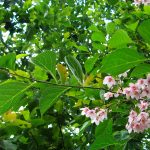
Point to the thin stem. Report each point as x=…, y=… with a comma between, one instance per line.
x=55, y=84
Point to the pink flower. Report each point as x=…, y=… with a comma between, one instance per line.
x=108, y=95
x=109, y=81
x=148, y=79
x=100, y=116
x=84, y=110
x=138, y=123
x=141, y=83
x=143, y=105
x=145, y=92
x=91, y=113
x=127, y=92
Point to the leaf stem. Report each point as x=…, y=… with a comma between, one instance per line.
x=55, y=84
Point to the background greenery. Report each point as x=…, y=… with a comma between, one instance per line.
x=53, y=62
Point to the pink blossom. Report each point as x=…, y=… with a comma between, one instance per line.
x=141, y=83
x=91, y=113
x=145, y=92
x=138, y=123
x=148, y=79
x=138, y=2
x=143, y=105
x=127, y=92
x=84, y=110
x=96, y=115
x=101, y=115
x=109, y=81
x=108, y=95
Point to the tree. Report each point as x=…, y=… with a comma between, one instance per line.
x=66, y=69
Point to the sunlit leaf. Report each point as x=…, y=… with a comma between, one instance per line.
x=121, y=60
x=62, y=72
x=119, y=39
x=144, y=31
x=8, y=61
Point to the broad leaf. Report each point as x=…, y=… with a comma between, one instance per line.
x=119, y=39
x=98, y=36
x=49, y=95
x=103, y=136
x=10, y=94
x=140, y=70
x=89, y=64
x=144, y=30
x=121, y=60
x=75, y=67
x=8, y=61
x=110, y=28
x=47, y=61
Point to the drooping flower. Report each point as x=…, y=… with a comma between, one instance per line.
x=109, y=81
x=108, y=95
x=96, y=115
x=143, y=105
x=138, y=122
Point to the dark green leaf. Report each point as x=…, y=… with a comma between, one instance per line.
x=8, y=61
x=49, y=96
x=10, y=92
x=103, y=136
x=75, y=67
x=141, y=70
x=144, y=30
x=47, y=61
x=121, y=60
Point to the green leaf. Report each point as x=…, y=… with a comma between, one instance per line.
x=144, y=30
x=8, y=61
x=110, y=28
x=103, y=136
x=121, y=135
x=121, y=60
x=119, y=39
x=21, y=56
x=84, y=126
x=10, y=92
x=98, y=36
x=89, y=64
x=47, y=61
x=49, y=96
x=83, y=48
x=93, y=28
x=39, y=74
x=132, y=26
x=75, y=67
x=141, y=70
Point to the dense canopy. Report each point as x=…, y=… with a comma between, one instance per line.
x=74, y=74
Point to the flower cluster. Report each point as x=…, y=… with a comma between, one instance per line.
x=138, y=2
x=96, y=115
x=139, y=122
x=139, y=90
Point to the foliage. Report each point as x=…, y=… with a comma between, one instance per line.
x=54, y=55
